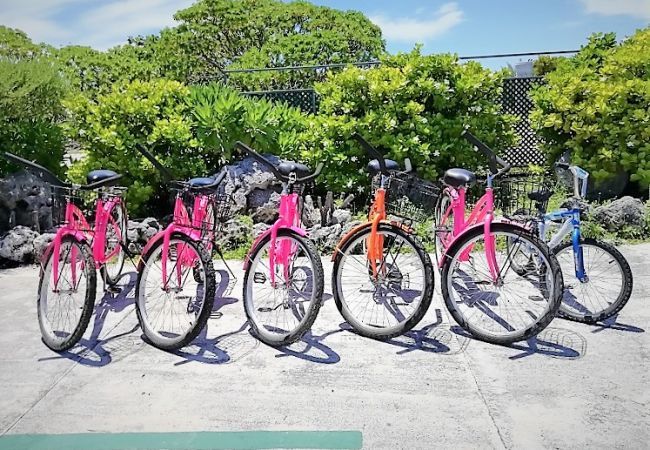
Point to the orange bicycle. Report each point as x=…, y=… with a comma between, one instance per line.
x=382, y=279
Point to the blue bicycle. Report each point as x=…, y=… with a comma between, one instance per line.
x=597, y=277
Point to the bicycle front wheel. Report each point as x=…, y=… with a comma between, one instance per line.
x=65, y=304
x=513, y=306
x=391, y=298
x=282, y=302
x=606, y=289
x=173, y=309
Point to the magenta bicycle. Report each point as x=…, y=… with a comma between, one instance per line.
x=283, y=281
x=68, y=279
x=487, y=292
x=176, y=279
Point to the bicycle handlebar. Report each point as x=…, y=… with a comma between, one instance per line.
x=241, y=146
x=166, y=174
x=493, y=159
x=36, y=169
x=580, y=178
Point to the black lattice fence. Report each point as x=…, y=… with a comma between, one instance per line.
x=515, y=100
x=305, y=99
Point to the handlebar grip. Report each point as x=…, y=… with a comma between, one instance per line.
x=38, y=170
x=562, y=165
x=240, y=145
x=372, y=151
x=166, y=174
x=407, y=165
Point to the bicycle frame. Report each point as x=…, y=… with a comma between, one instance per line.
x=77, y=226
x=571, y=225
x=289, y=218
x=191, y=227
x=482, y=213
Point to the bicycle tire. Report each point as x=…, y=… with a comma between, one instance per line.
x=108, y=279
x=621, y=300
x=441, y=207
x=314, y=306
x=425, y=302
x=553, y=302
x=89, y=298
x=209, y=291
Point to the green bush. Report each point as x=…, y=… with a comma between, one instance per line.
x=153, y=114
x=190, y=130
x=411, y=106
x=596, y=105
x=30, y=112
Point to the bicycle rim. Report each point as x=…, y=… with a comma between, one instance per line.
x=64, y=307
x=281, y=308
x=383, y=304
x=602, y=290
x=169, y=314
x=517, y=306
x=116, y=230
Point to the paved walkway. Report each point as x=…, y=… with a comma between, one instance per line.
x=575, y=387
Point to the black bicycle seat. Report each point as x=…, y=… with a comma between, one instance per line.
x=288, y=167
x=101, y=178
x=200, y=182
x=374, y=167
x=459, y=177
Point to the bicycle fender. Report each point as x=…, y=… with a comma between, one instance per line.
x=259, y=239
x=79, y=235
x=155, y=238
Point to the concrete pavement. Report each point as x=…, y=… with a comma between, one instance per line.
x=576, y=386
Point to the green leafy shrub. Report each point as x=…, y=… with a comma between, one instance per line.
x=31, y=91
x=411, y=106
x=223, y=116
x=153, y=114
x=190, y=130
x=597, y=105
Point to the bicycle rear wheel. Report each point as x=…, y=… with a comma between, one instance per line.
x=444, y=226
x=608, y=285
x=171, y=315
x=393, y=301
x=116, y=231
x=518, y=305
x=282, y=309
x=65, y=307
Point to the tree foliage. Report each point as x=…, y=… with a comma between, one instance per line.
x=597, y=106
x=31, y=90
x=413, y=106
x=217, y=34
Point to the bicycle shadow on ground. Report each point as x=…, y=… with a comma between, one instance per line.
x=436, y=337
x=225, y=348
x=96, y=352
x=613, y=324
x=552, y=342
x=311, y=348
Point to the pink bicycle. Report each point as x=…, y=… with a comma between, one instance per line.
x=68, y=279
x=176, y=279
x=283, y=281
x=487, y=293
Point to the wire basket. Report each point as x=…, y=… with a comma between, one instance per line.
x=61, y=196
x=409, y=197
x=219, y=209
x=523, y=194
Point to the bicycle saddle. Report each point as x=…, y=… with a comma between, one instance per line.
x=200, y=182
x=100, y=178
x=459, y=177
x=288, y=167
x=374, y=168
